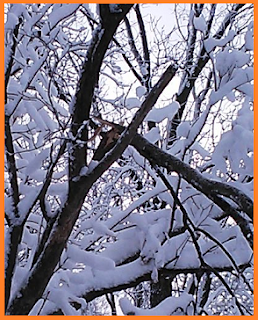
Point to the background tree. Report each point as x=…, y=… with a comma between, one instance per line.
x=128, y=159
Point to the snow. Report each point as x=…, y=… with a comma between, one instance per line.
x=101, y=229
x=183, y=129
x=200, y=23
x=150, y=247
x=26, y=203
x=114, y=8
x=153, y=135
x=13, y=16
x=37, y=161
x=249, y=40
x=128, y=243
x=159, y=114
x=140, y=91
x=227, y=60
x=106, y=237
x=131, y=103
x=167, y=307
x=61, y=12
x=90, y=259
x=63, y=298
x=240, y=77
x=211, y=43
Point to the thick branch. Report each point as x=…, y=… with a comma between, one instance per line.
x=15, y=230
x=68, y=215
x=192, y=176
x=129, y=133
x=102, y=36
x=49, y=257
x=146, y=276
x=11, y=165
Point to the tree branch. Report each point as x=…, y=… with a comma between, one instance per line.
x=102, y=36
x=192, y=176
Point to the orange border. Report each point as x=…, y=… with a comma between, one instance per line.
x=2, y=142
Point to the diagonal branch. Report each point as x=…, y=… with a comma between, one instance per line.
x=43, y=269
x=102, y=36
x=208, y=187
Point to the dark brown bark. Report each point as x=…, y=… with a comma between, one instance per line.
x=162, y=289
x=103, y=34
x=43, y=270
x=214, y=190
x=66, y=218
x=208, y=187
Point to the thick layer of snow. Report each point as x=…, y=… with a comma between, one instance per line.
x=167, y=307
x=159, y=114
